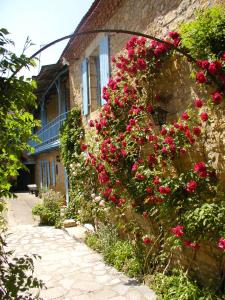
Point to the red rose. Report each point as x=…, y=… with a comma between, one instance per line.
x=128, y=128
x=204, y=64
x=200, y=168
x=185, y=116
x=141, y=64
x=107, y=192
x=91, y=123
x=204, y=116
x=148, y=190
x=151, y=159
x=164, y=150
x=131, y=53
x=134, y=167
x=198, y=103
x=83, y=147
x=197, y=131
x=190, y=244
x=156, y=180
x=212, y=68
x=140, y=176
x=103, y=177
x=163, y=131
x=217, y=97
x=221, y=243
x=132, y=122
x=200, y=77
x=123, y=152
x=178, y=231
x=168, y=140
x=146, y=240
x=191, y=186
x=150, y=109
x=164, y=190
x=173, y=35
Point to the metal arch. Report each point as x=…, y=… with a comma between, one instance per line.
x=182, y=51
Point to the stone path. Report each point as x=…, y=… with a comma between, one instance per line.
x=70, y=270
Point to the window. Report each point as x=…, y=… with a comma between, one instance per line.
x=95, y=75
x=44, y=173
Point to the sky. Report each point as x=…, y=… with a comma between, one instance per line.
x=43, y=21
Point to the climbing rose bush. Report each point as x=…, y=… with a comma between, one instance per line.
x=137, y=165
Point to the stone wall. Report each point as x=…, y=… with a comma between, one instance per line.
x=179, y=90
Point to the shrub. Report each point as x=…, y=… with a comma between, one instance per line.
x=116, y=252
x=206, y=34
x=178, y=286
x=49, y=211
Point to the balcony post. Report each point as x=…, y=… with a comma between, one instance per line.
x=59, y=93
x=43, y=113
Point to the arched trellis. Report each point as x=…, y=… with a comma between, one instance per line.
x=179, y=50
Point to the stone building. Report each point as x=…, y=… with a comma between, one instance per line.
x=89, y=63
x=53, y=105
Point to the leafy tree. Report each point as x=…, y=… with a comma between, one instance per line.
x=16, y=121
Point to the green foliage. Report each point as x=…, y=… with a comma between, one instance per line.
x=116, y=252
x=178, y=286
x=49, y=211
x=16, y=123
x=82, y=177
x=208, y=219
x=71, y=134
x=205, y=36
x=17, y=275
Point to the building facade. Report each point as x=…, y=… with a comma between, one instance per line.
x=53, y=106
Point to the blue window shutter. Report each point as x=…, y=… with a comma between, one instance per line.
x=48, y=173
x=53, y=173
x=41, y=178
x=84, y=69
x=104, y=63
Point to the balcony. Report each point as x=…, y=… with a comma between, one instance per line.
x=49, y=135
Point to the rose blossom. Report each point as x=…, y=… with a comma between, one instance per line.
x=178, y=230
x=217, y=97
x=221, y=243
x=198, y=103
x=197, y=131
x=91, y=123
x=140, y=176
x=200, y=77
x=191, y=186
x=134, y=167
x=146, y=240
x=102, y=203
x=185, y=116
x=148, y=190
x=204, y=116
x=164, y=190
x=83, y=147
x=200, y=168
x=173, y=35
x=163, y=131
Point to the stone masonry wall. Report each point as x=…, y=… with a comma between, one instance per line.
x=158, y=18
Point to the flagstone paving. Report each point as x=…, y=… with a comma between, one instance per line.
x=70, y=270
